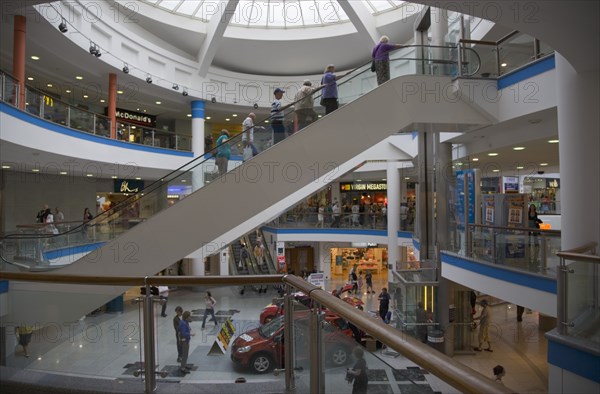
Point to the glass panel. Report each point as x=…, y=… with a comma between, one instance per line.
x=81, y=120
x=582, y=300
x=302, y=365
x=515, y=52
x=55, y=111
x=488, y=61
x=33, y=101
x=102, y=126
x=10, y=90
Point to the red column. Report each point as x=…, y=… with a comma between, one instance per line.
x=19, y=56
x=112, y=104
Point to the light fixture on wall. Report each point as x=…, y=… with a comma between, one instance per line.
x=175, y=86
x=126, y=68
x=185, y=92
x=149, y=79
x=63, y=27
x=213, y=100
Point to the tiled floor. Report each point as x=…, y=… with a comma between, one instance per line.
x=108, y=345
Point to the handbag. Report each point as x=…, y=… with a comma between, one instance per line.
x=247, y=154
x=373, y=68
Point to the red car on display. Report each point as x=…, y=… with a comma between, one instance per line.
x=275, y=309
x=262, y=349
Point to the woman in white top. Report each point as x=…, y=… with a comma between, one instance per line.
x=210, y=303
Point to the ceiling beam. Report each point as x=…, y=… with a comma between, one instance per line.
x=216, y=29
x=363, y=21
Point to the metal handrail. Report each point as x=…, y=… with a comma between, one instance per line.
x=579, y=250
x=523, y=229
x=444, y=367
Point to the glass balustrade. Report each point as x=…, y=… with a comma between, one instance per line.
x=306, y=342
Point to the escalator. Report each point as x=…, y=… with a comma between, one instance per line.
x=261, y=263
x=270, y=182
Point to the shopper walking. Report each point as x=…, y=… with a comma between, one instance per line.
x=369, y=282
x=209, y=303
x=277, y=116
x=360, y=380
x=384, y=304
x=248, y=129
x=381, y=56
x=329, y=97
x=24, y=334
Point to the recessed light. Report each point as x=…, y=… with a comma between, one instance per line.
x=144, y=111
x=34, y=57
x=114, y=177
x=553, y=142
x=138, y=179
x=459, y=164
x=189, y=115
x=227, y=119
x=207, y=118
x=496, y=170
x=89, y=175
x=234, y=115
x=102, y=100
x=49, y=85
x=85, y=96
x=520, y=167
x=183, y=181
x=119, y=92
x=492, y=154
x=266, y=121
x=519, y=148
x=132, y=127
x=407, y=177
x=30, y=78
x=79, y=77
x=158, y=102
x=5, y=167
x=543, y=164
x=63, y=173
x=68, y=91
x=503, y=64
x=35, y=170
x=475, y=159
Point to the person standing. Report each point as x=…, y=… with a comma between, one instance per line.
x=336, y=214
x=381, y=56
x=403, y=216
x=59, y=216
x=24, y=334
x=329, y=97
x=185, y=334
x=87, y=215
x=258, y=254
x=304, y=99
x=176, y=320
x=210, y=303
x=369, y=282
x=320, y=216
x=354, y=280
x=384, y=304
x=163, y=294
x=49, y=220
x=248, y=132
x=421, y=321
x=359, y=371
x=484, y=326
x=277, y=116
x=41, y=216
x=223, y=152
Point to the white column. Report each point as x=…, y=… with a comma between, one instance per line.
x=197, y=266
x=224, y=262
x=393, y=213
x=198, y=142
x=578, y=97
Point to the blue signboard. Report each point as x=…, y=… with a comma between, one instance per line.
x=460, y=200
x=471, y=193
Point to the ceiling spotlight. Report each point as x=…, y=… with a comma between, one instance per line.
x=63, y=27
x=213, y=100
x=149, y=79
x=175, y=86
x=255, y=106
x=185, y=92
x=126, y=68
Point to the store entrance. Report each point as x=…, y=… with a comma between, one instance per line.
x=371, y=259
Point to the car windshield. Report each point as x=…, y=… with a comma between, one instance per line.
x=267, y=330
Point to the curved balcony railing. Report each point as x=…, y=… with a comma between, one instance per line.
x=321, y=335
x=111, y=223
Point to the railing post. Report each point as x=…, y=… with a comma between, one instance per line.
x=494, y=256
x=498, y=68
x=68, y=116
x=288, y=338
x=316, y=356
x=536, y=48
x=153, y=144
x=149, y=362
x=543, y=256
x=561, y=299
x=94, y=124
x=469, y=235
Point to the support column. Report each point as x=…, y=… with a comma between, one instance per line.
x=578, y=98
x=19, y=40
x=425, y=190
x=439, y=30
x=112, y=104
x=393, y=216
x=198, y=143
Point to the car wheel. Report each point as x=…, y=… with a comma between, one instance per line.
x=339, y=356
x=261, y=363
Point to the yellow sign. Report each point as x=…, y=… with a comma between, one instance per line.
x=125, y=188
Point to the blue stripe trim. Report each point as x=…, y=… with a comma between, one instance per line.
x=42, y=123
x=3, y=286
x=574, y=360
x=198, y=109
x=73, y=250
x=519, y=278
x=326, y=231
x=526, y=72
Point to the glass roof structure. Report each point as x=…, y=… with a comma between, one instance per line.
x=273, y=13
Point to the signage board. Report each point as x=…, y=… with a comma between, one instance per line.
x=362, y=186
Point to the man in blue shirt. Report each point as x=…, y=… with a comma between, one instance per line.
x=330, y=93
x=185, y=334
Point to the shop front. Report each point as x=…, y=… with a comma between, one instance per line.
x=364, y=256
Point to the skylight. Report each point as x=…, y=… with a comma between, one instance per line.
x=273, y=13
